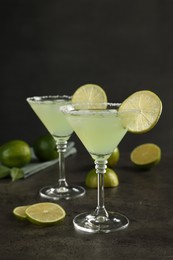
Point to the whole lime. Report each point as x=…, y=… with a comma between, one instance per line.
x=15, y=153
x=110, y=179
x=114, y=158
x=45, y=148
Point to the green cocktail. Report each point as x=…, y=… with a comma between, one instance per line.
x=53, y=119
x=100, y=129
x=47, y=108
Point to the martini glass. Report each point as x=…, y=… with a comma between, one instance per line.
x=47, y=109
x=100, y=129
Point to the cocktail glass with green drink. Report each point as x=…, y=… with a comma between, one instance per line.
x=47, y=109
x=100, y=129
x=101, y=126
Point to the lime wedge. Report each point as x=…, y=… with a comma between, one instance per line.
x=89, y=93
x=45, y=213
x=146, y=107
x=146, y=155
x=19, y=212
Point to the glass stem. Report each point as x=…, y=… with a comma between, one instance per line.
x=61, y=148
x=100, y=211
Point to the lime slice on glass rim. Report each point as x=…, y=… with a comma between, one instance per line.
x=90, y=94
x=147, y=108
x=45, y=213
x=146, y=155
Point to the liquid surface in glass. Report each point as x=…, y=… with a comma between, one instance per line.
x=53, y=119
x=100, y=132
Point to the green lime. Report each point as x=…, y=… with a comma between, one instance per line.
x=15, y=153
x=45, y=148
x=4, y=171
x=45, y=213
x=110, y=179
x=146, y=155
x=114, y=158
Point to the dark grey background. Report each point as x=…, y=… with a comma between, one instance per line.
x=53, y=47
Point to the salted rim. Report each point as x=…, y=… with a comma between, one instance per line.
x=41, y=99
x=73, y=108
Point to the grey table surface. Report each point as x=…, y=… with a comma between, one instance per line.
x=145, y=197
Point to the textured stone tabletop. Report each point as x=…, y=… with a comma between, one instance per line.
x=145, y=197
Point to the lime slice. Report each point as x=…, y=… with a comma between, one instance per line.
x=91, y=94
x=110, y=179
x=45, y=213
x=19, y=212
x=146, y=155
x=146, y=107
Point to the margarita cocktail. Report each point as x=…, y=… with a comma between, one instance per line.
x=100, y=129
x=47, y=108
x=48, y=111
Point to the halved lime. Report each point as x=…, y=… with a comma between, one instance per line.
x=146, y=155
x=45, y=213
x=19, y=212
x=91, y=94
x=146, y=107
x=114, y=158
x=110, y=179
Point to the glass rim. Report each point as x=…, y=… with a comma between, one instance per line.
x=107, y=106
x=48, y=98
x=84, y=106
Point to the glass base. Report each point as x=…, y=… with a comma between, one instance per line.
x=88, y=222
x=62, y=193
